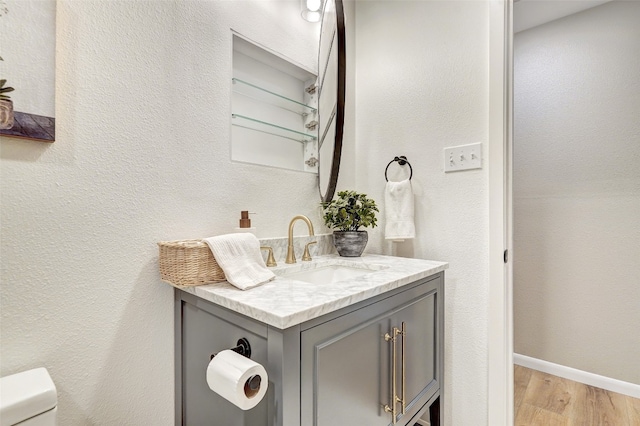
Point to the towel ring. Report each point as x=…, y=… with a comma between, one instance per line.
x=402, y=160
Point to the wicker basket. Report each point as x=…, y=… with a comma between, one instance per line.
x=188, y=263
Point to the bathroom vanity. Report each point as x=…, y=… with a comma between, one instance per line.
x=354, y=341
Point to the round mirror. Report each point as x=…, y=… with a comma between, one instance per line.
x=331, y=94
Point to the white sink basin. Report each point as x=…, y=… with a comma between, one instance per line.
x=327, y=273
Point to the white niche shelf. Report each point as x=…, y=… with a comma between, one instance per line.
x=274, y=110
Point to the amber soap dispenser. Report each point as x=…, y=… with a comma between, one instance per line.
x=245, y=223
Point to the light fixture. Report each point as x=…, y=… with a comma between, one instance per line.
x=311, y=10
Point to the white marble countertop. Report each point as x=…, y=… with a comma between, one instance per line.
x=285, y=302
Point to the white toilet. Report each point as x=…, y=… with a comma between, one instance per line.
x=28, y=399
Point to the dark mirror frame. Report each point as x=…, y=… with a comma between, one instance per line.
x=328, y=193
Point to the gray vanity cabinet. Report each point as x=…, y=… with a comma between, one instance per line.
x=347, y=363
x=334, y=370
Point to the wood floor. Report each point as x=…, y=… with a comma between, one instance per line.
x=545, y=400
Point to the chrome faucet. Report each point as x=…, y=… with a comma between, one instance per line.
x=291, y=256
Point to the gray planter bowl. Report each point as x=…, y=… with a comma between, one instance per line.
x=350, y=243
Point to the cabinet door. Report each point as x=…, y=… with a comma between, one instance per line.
x=342, y=379
x=347, y=364
x=204, y=334
x=418, y=352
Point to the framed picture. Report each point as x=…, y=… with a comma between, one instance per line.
x=27, y=69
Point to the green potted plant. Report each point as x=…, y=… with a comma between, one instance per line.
x=346, y=215
x=6, y=105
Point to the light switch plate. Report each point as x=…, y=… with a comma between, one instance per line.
x=464, y=157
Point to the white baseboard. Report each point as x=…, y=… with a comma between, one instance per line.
x=579, y=376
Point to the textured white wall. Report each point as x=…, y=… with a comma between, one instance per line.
x=577, y=191
x=422, y=85
x=142, y=155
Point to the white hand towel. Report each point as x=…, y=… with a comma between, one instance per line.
x=239, y=257
x=398, y=200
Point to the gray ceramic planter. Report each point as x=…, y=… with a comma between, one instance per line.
x=350, y=243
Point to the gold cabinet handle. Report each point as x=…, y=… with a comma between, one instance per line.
x=392, y=409
x=404, y=376
x=394, y=392
x=395, y=399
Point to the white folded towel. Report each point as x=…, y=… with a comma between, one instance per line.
x=398, y=201
x=239, y=257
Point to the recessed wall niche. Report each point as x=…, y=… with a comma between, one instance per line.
x=274, y=112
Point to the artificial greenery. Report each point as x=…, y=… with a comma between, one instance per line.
x=350, y=211
x=4, y=90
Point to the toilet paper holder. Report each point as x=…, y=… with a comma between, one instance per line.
x=237, y=378
x=242, y=347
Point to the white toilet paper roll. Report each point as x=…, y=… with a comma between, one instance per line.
x=237, y=379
